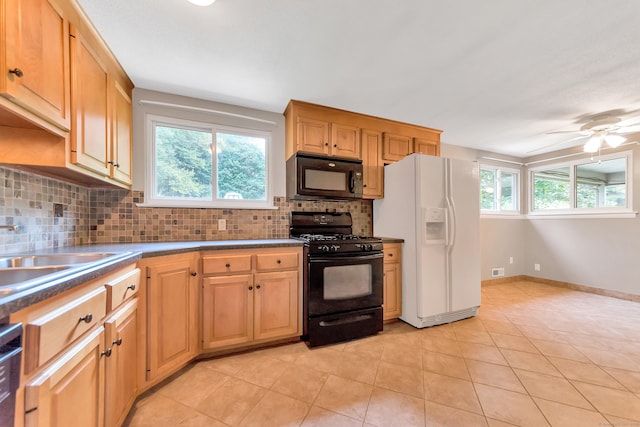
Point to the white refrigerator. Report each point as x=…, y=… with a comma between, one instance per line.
x=433, y=203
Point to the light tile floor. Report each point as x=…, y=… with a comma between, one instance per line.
x=535, y=355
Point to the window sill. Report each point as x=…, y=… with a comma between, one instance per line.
x=207, y=205
x=501, y=215
x=582, y=215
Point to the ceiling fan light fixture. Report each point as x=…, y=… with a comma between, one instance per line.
x=614, y=140
x=202, y=2
x=593, y=145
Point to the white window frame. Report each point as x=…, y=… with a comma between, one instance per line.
x=152, y=200
x=499, y=211
x=601, y=212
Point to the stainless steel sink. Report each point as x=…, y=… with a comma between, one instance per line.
x=10, y=278
x=50, y=260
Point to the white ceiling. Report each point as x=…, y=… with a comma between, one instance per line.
x=495, y=75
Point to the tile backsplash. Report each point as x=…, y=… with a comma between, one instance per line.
x=112, y=216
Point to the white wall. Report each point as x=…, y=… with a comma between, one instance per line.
x=236, y=116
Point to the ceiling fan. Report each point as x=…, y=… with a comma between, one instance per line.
x=602, y=128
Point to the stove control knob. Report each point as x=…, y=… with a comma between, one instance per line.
x=323, y=248
x=369, y=247
x=334, y=248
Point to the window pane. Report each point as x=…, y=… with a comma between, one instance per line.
x=241, y=166
x=488, y=189
x=183, y=163
x=601, y=184
x=551, y=189
x=507, y=191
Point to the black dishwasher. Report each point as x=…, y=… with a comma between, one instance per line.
x=10, y=355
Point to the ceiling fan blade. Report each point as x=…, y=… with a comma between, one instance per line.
x=633, y=127
x=563, y=131
x=557, y=143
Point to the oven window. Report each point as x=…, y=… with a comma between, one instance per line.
x=324, y=180
x=347, y=281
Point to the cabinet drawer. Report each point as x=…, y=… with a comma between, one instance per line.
x=122, y=288
x=226, y=264
x=392, y=253
x=281, y=261
x=46, y=336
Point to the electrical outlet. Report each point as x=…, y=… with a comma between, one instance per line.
x=536, y=267
x=58, y=210
x=222, y=224
x=510, y=260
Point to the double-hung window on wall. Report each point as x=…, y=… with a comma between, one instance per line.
x=195, y=164
x=587, y=186
x=499, y=190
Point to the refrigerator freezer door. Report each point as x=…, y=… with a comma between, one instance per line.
x=465, y=252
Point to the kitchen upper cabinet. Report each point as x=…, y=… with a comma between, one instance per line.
x=318, y=136
x=65, y=108
x=90, y=131
x=372, y=166
x=396, y=147
x=426, y=146
x=392, y=301
x=172, y=313
x=35, y=59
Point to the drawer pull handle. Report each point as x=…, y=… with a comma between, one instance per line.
x=87, y=318
x=17, y=72
x=106, y=353
x=132, y=287
x=227, y=265
x=194, y=274
x=117, y=342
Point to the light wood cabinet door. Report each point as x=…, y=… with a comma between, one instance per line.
x=70, y=392
x=345, y=141
x=392, y=302
x=275, y=304
x=396, y=147
x=34, y=58
x=312, y=135
x=372, y=167
x=121, y=385
x=426, y=146
x=121, y=135
x=172, y=311
x=227, y=310
x=90, y=130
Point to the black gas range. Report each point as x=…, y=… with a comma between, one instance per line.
x=343, y=278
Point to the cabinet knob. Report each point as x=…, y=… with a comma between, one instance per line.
x=194, y=274
x=364, y=185
x=257, y=286
x=227, y=265
x=106, y=353
x=17, y=72
x=390, y=255
x=250, y=288
x=279, y=262
x=326, y=144
x=117, y=342
x=132, y=287
x=335, y=145
x=87, y=318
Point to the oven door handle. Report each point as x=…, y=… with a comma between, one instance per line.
x=358, y=257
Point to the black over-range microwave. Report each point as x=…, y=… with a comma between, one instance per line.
x=312, y=177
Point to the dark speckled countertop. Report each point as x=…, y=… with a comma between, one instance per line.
x=122, y=255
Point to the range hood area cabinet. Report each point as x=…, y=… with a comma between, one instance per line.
x=65, y=104
x=316, y=129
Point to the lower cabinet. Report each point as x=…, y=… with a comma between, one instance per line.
x=392, y=303
x=260, y=303
x=121, y=333
x=70, y=391
x=172, y=313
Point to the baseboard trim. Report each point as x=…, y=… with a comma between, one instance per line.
x=566, y=285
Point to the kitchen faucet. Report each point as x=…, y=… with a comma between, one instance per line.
x=10, y=227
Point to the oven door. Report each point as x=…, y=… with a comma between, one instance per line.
x=344, y=282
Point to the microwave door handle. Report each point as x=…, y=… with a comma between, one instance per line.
x=352, y=182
